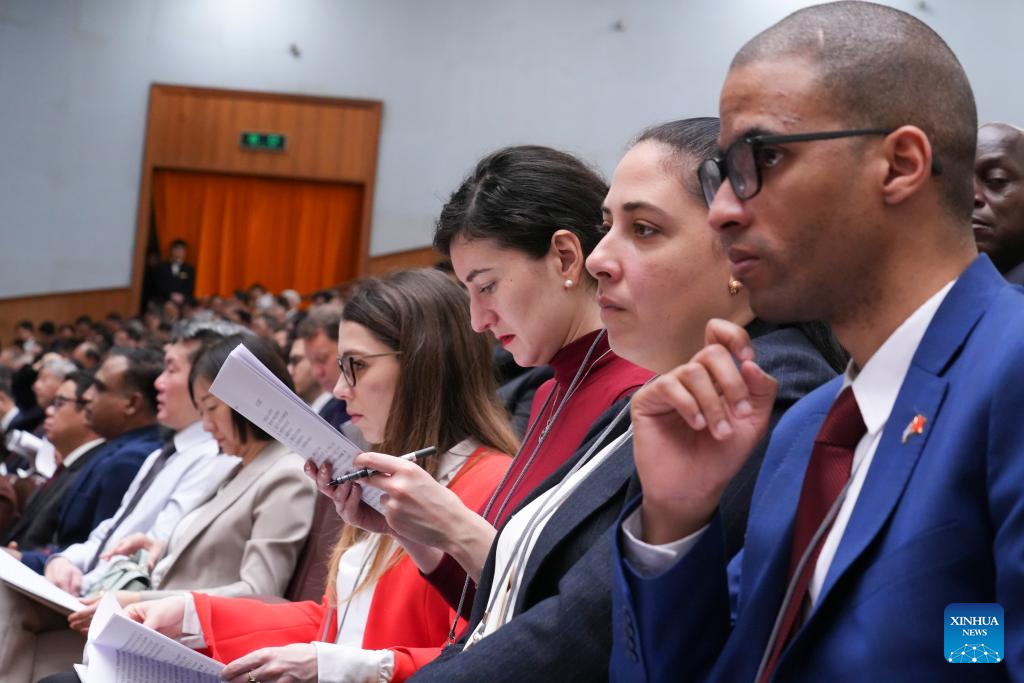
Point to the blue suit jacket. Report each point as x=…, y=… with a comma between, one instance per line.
x=940, y=519
x=334, y=412
x=97, y=491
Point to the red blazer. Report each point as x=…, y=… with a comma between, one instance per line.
x=406, y=614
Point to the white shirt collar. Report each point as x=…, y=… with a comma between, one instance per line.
x=465, y=448
x=191, y=436
x=878, y=383
x=8, y=418
x=74, y=455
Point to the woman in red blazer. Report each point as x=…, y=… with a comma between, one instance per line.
x=400, y=339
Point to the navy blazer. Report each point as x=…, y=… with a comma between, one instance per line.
x=940, y=520
x=97, y=491
x=562, y=627
x=334, y=411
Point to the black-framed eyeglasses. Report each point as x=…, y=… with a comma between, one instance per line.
x=59, y=402
x=348, y=364
x=744, y=159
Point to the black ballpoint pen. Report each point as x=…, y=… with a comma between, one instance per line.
x=367, y=472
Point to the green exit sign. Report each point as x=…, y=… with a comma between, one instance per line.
x=270, y=142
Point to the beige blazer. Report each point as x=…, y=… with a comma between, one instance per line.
x=247, y=538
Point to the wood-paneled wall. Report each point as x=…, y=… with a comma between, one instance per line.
x=198, y=129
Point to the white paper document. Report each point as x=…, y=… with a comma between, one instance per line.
x=36, y=586
x=246, y=385
x=120, y=650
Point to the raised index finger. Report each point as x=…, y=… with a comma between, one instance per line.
x=385, y=464
x=731, y=336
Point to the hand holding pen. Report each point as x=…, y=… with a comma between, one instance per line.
x=367, y=472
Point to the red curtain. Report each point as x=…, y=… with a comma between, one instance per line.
x=243, y=229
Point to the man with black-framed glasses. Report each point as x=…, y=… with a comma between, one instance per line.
x=76, y=444
x=891, y=493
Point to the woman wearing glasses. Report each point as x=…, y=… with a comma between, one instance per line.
x=518, y=231
x=543, y=604
x=413, y=374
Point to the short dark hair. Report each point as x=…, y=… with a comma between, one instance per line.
x=882, y=68
x=145, y=364
x=179, y=243
x=47, y=327
x=203, y=333
x=83, y=380
x=26, y=325
x=135, y=330
x=211, y=359
x=519, y=197
x=690, y=140
x=323, y=318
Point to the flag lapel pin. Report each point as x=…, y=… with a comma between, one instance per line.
x=916, y=426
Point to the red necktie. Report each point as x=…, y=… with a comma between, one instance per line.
x=826, y=475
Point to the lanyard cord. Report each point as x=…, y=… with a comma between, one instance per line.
x=521, y=551
x=577, y=380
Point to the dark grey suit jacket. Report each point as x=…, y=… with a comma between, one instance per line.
x=562, y=627
x=42, y=511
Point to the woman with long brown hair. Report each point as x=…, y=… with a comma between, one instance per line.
x=414, y=374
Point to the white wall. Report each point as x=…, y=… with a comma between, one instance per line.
x=458, y=78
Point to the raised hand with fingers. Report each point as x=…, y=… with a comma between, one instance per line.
x=137, y=541
x=289, y=664
x=64, y=575
x=347, y=500
x=82, y=619
x=164, y=616
x=694, y=427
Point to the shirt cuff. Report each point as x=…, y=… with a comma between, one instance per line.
x=345, y=664
x=191, y=629
x=647, y=559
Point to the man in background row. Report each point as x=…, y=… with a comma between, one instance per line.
x=120, y=407
x=998, y=218
x=76, y=445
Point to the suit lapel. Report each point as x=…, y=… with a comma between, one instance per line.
x=224, y=498
x=609, y=478
x=922, y=393
x=894, y=462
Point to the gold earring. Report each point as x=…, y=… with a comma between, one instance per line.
x=734, y=286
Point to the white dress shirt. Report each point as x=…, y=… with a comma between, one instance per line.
x=191, y=474
x=74, y=455
x=875, y=387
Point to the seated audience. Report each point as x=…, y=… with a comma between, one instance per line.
x=245, y=539
x=398, y=335
x=76, y=444
x=171, y=483
x=998, y=218
x=518, y=231
x=546, y=586
x=120, y=406
x=892, y=491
